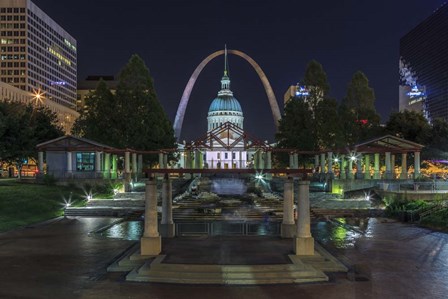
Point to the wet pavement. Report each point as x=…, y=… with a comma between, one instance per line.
x=61, y=260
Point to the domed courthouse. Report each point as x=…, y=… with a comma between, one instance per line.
x=225, y=108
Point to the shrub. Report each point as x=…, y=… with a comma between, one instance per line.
x=49, y=180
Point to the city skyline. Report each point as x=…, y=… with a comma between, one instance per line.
x=282, y=37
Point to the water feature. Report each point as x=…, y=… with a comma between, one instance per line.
x=228, y=186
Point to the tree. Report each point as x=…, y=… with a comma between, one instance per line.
x=409, y=125
x=22, y=128
x=132, y=118
x=316, y=82
x=357, y=112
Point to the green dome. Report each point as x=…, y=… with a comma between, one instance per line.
x=225, y=103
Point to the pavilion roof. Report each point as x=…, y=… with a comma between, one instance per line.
x=388, y=143
x=70, y=143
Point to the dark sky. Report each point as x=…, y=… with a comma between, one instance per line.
x=282, y=36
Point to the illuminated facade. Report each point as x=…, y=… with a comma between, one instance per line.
x=37, y=55
x=423, y=67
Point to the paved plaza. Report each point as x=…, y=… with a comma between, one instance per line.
x=61, y=260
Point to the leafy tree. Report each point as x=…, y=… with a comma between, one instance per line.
x=132, y=118
x=328, y=130
x=316, y=82
x=409, y=125
x=360, y=96
x=22, y=128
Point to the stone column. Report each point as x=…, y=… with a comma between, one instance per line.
x=167, y=224
x=359, y=174
x=342, y=172
x=404, y=167
x=291, y=161
x=304, y=242
x=268, y=164
x=98, y=164
x=40, y=162
x=322, y=163
x=330, y=163
x=376, y=172
x=127, y=172
x=388, y=166
x=367, y=167
x=139, y=165
x=161, y=166
x=107, y=165
x=416, y=165
x=165, y=160
x=241, y=160
x=392, y=166
x=127, y=164
x=114, y=167
x=187, y=160
x=134, y=165
x=151, y=242
x=350, y=168
x=296, y=161
x=316, y=162
x=288, y=224
x=69, y=165
x=197, y=159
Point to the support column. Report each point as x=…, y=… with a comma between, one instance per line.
x=107, y=166
x=167, y=224
x=69, y=165
x=304, y=242
x=40, y=159
x=367, y=167
x=269, y=163
x=350, y=168
x=134, y=165
x=342, y=170
x=241, y=160
x=165, y=160
x=322, y=163
x=114, y=167
x=151, y=242
x=98, y=164
x=197, y=159
x=296, y=161
x=127, y=172
x=161, y=165
x=291, y=161
x=288, y=224
x=376, y=171
x=316, y=162
x=404, y=167
x=359, y=174
x=416, y=165
x=392, y=166
x=388, y=167
x=330, y=163
x=139, y=165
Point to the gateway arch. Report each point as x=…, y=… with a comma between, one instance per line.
x=188, y=89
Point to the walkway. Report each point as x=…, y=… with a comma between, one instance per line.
x=60, y=260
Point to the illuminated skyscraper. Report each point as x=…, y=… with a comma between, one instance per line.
x=37, y=55
x=424, y=67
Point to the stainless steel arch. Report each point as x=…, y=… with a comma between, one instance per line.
x=187, y=92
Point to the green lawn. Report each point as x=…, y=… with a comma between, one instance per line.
x=22, y=204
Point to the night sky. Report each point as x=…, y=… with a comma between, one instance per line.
x=173, y=37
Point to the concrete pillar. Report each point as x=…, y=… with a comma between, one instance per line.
x=69, y=164
x=197, y=159
x=151, y=242
x=316, y=162
x=376, y=170
x=367, y=167
x=330, y=163
x=187, y=160
x=134, y=164
x=416, y=165
x=107, y=165
x=167, y=224
x=114, y=167
x=350, y=168
x=343, y=171
x=404, y=167
x=269, y=160
x=304, y=242
x=241, y=160
x=98, y=163
x=165, y=160
x=392, y=166
x=161, y=166
x=291, y=161
x=288, y=224
x=40, y=158
x=296, y=161
x=322, y=163
x=127, y=164
x=359, y=174
x=388, y=166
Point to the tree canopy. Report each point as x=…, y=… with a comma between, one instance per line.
x=132, y=117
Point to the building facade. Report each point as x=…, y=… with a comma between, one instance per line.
x=423, y=67
x=38, y=56
x=89, y=84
